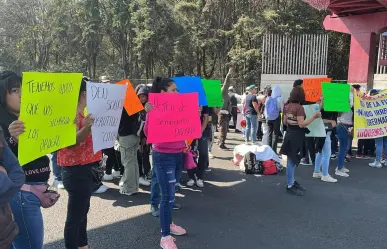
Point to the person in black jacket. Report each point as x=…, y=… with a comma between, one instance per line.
x=144, y=150
x=129, y=139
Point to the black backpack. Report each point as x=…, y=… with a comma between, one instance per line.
x=252, y=165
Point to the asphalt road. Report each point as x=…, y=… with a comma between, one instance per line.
x=234, y=210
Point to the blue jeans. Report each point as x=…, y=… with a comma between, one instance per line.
x=381, y=143
x=323, y=157
x=342, y=136
x=155, y=196
x=251, y=128
x=165, y=165
x=28, y=216
x=290, y=172
x=57, y=170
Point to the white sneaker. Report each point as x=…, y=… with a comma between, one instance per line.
x=317, y=175
x=191, y=183
x=375, y=164
x=344, y=169
x=116, y=174
x=210, y=155
x=143, y=182
x=200, y=183
x=58, y=184
x=179, y=185
x=328, y=178
x=101, y=189
x=341, y=173
x=383, y=161
x=107, y=177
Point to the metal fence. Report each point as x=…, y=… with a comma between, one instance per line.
x=297, y=54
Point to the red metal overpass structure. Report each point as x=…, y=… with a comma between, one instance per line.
x=364, y=20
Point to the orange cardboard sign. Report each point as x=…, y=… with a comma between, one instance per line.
x=313, y=88
x=132, y=103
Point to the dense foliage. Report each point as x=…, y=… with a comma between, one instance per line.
x=145, y=38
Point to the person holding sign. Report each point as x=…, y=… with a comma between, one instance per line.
x=224, y=114
x=78, y=162
x=167, y=158
x=25, y=205
x=294, y=119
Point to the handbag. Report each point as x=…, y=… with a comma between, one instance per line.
x=189, y=162
x=9, y=228
x=97, y=174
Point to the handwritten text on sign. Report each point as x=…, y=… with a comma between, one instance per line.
x=370, y=115
x=175, y=117
x=48, y=109
x=313, y=88
x=105, y=103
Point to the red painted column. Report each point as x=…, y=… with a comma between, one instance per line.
x=362, y=58
x=363, y=30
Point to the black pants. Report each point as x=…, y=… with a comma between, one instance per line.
x=364, y=147
x=143, y=159
x=310, y=146
x=202, y=161
x=234, y=116
x=78, y=182
x=274, y=132
x=112, y=162
x=259, y=130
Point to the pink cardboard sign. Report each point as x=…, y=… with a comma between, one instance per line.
x=175, y=117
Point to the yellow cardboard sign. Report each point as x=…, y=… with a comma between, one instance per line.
x=48, y=109
x=370, y=114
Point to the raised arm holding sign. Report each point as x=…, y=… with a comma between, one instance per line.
x=105, y=102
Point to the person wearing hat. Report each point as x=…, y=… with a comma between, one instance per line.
x=143, y=152
x=251, y=114
x=105, y=79
x=234, y=105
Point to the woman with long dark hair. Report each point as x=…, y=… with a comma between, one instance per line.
x=25, y=204
x=294, y=119
x=167, y=159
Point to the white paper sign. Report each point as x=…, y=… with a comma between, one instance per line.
x=317, y=127
x=105, y=103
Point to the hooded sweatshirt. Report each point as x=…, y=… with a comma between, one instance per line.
x=276, y=94
x=35, y=171
x=11, y=182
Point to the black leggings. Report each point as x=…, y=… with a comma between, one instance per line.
x=143, y=159
x=113, y=161
x=78, y=182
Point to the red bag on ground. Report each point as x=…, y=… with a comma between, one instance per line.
x=269, y=167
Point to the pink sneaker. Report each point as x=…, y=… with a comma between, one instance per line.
x=168, y=243
x=176, y=230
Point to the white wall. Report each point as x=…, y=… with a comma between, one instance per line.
x=380, y=81
x=285, y=81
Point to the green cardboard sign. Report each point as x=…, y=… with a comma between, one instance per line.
x=213, y=92
x=336, y=97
